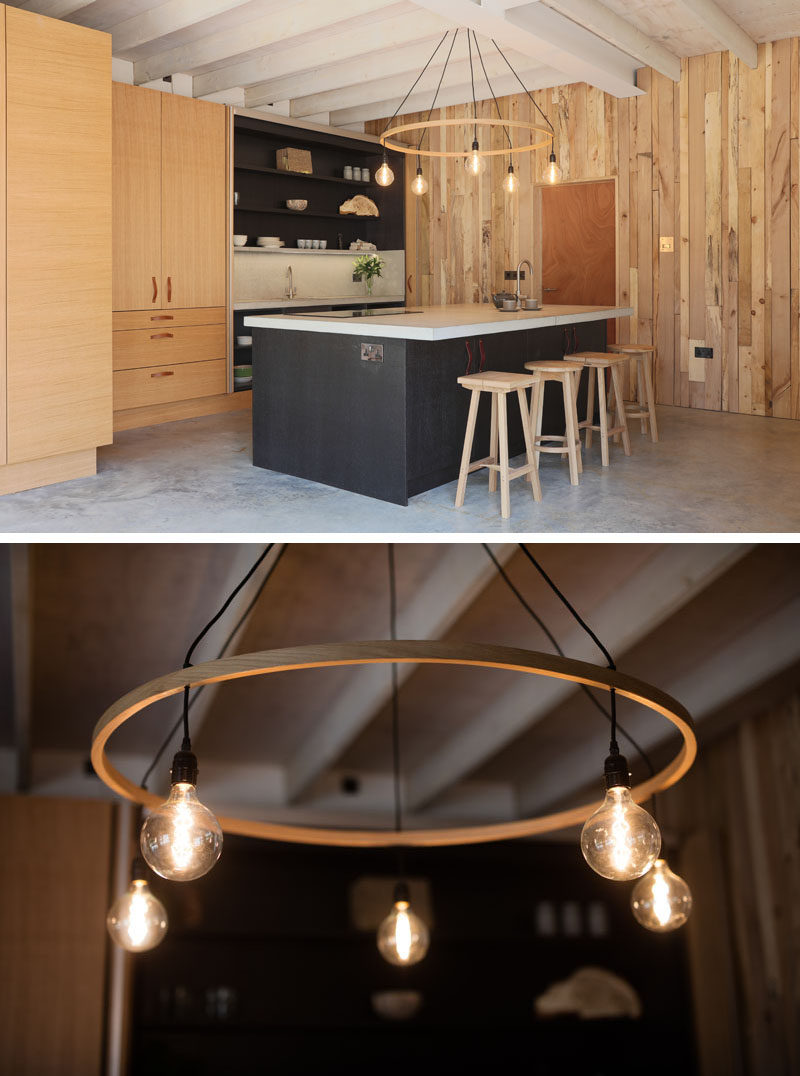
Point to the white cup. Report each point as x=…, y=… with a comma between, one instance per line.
x=323, y=244
x=315, y=244
x=357, y=173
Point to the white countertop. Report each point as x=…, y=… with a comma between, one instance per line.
x=338, y=300
x=441, y=322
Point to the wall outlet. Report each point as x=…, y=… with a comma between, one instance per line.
x=666, y=244
x=704, y=353
x=511, y=274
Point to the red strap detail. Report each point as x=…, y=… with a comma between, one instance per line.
x=469, y=353
x=483, y=357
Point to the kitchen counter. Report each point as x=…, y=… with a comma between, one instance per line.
x=372, y=404
x=339, y=300
x=441, y=322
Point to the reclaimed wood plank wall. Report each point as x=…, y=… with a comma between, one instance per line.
x=712, y=161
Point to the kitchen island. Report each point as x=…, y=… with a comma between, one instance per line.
x=369, y=401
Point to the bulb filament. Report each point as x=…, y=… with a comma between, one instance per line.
x=620, y=831
x=661, y=905
x=138, y=927
x=402, y=932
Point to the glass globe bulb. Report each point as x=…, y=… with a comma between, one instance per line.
x=510, y=183
x=552, y=174
x=402, y=936
x=137, y=920
x=419, y=184
x=384, y=177
x=661, y=901
x=181, y=840
x=473, y=162
x=620, y=840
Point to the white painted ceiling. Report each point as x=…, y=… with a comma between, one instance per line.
x=714, y=625
x=347, y=62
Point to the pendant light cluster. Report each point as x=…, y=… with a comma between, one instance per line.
x=473, y=158
x=181, y=839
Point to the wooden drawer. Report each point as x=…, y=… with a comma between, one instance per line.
x=168, y=384
x=145, y=319
x=166, y=346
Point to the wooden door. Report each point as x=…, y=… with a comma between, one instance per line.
x=194, y=209
x=136, y=198
x=58, y=131
x=579, y=244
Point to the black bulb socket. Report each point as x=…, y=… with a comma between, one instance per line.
x=138, y=870
x=184, y=768
x=475, y=145
x=401, y=893
x=552, y=157
x=617, y=774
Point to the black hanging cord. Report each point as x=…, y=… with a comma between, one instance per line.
x=525, y=88
x=398, y=813
x=416, y=80
x=436, y=95
x=491, y=91
x=589, y=694
x=472, y=80
x=223, y=648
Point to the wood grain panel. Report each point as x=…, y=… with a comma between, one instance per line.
x=53, y=941
x=154, y=415
x=714, y=163
x=160, y=346
x=136, y=198
x=3, y=384
x=59, y=236
x=579, y=242
x=168, y=384
x=148, y=319
x=193, y=202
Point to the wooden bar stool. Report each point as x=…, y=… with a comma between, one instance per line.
x=499, y=384
x=598, y=362
x=567, y=374
x=644, y=357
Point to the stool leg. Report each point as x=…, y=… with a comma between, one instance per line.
x=601, y=392
x=493, y=444
x=533, y=474
x=576, y=384
x=648, y=364
x=537, y=399
x=621, y=418
x=467, y=451
x=502, y=416
x=641, y=392
x=590, y=409
x=569, y=411
x=613, y=406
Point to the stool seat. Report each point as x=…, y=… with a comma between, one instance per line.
x=597, y=358
x=496, y=381
x=597, y=362
x=553, y=366
x=633, y=349
x=499, y=383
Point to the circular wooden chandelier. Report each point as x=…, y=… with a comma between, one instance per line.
x=268, y=662
x=389, y=141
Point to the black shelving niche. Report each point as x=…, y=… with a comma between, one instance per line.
x=264, y=189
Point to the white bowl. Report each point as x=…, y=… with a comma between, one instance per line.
x=239, y=240
x=244, y=341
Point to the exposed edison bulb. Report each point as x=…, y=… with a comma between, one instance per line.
x=661, y=901
x=403, y=938
x=419, y=184
x=181, y=840
x=137, y=920
x=552, y=174
x=474, y=163
x=510, y=183
x=620, y=840
x=384, y=177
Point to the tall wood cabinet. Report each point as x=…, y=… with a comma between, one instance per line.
x=171, y=238
x=55, y=186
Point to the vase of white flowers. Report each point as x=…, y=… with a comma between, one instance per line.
x=367, y=268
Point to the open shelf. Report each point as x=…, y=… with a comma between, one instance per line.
x=303, y=213
x=301, y=250
x=303, y=175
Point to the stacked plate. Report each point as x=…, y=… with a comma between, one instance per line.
x=270, y=242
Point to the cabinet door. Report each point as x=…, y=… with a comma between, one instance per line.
x=136, y=198
x=3, y=445
x=58, y=139
x=193, y=202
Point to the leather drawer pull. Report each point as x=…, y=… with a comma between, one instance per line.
x=163, y=317
x=155, y=289
x=163, y=373
x=162, y=336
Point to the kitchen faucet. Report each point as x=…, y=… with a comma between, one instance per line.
x=523, y=262
x=290, y=292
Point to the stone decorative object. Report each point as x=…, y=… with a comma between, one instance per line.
x=298, y=204
x=591, y=994
x=293, y=160
x=362, y=244
x=359, y=206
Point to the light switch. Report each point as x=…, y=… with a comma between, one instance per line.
x=667, y=244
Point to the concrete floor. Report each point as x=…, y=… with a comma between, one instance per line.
x=711, y=472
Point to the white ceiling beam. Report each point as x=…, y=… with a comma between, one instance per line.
x=281, y=25
x=386, y=87
x=165, y=19
x=549, y=38
x=303, y=60
x=617, y=31
x=454, y=583
x=753, y=658
x=534, y=79
x=728, y=34
x=55, y=9
x=358, y=68
x=661, y=586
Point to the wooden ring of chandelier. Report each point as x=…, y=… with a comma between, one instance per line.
x=389, y=141
x=329, y=655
